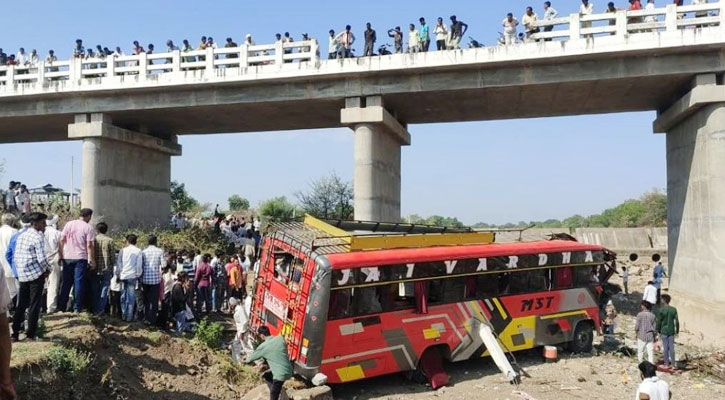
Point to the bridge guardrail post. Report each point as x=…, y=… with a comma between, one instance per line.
x=243, y=57
x=575, y=27
x=41, y=73
x=142, y=66
x=111, y=66
x=10, y=78
x=74, y=69
x=209, y=61
x=671, y=18
x=314, y=51
x=278, y=54
x=621, y=23
x=176, y=62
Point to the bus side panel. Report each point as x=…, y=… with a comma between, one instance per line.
x=368, y=346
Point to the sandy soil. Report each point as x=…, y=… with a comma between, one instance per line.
x=128, y=362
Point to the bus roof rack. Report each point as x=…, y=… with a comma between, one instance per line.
x=367, y=235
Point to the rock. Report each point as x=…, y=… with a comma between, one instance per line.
x=600, y=383
x=314, y=393
x=581, y=379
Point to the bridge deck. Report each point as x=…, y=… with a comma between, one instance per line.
x=596, y=64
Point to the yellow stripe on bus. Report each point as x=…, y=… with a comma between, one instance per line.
x=351, y=373
x=500, y=308
x=561, y=315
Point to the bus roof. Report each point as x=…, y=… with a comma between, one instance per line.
x=428, y=254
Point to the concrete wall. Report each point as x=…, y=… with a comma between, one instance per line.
x=696, y=219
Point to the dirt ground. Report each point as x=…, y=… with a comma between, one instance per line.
x=128, y=362
x=604, y=374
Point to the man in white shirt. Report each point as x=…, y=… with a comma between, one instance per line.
x=52, y=242
x=333, y=46
x=413, y=40
x=650, y=293
x=129, y=268
x=530, y=19
x=652, y=387
x=6, y=232
x=586, y=8
x=509, y=29
x=345, y=39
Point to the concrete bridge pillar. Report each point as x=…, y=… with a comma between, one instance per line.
x=378, y=138
x=126, y=174
x=695, y=128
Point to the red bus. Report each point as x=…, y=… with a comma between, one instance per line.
x=353, y=310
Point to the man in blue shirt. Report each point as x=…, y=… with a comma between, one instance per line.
x=657, y=275
x=424, y=35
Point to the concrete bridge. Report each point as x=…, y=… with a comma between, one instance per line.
x=128, y=112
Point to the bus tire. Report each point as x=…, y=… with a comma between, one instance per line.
x=583, y=338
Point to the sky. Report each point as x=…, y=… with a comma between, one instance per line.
x=495, y=171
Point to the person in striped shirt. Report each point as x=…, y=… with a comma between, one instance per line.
x=153, y=261
x=33, y=267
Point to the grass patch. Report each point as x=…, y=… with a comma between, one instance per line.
x=238, y=375
x=156, y=338
x=66, y=361
x=209, y=334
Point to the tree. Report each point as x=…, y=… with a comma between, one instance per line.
x=575, y=221
x=278, y=209
x=655, y=204
x=328, y=197
x=237, y=203
x=181, y=201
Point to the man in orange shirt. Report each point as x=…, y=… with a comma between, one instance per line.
x=234, y=272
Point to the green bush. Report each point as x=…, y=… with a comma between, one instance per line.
x=209, y=334
x=197, y=239
x=66, y=361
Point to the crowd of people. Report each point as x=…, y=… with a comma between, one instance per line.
x=341, y=45
x=657, y=319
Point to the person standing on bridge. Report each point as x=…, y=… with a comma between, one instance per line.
x=441, y=33
x=549, y=14
x=530, y=19
x=413, y=40
x=458, y=29
x=77, y=255
x=586, y=8
x=137, y=49
x=333, y=46
x=397, y=36
x=509, y=29
x=370, y=38
x=79, y=51
x=424, y=35
x=346, y=39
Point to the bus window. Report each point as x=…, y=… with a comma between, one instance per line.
x=486, y=286
x=583, y=276
x=563, y=278
x=366, y=301
x=446, y=291
x=340, y=304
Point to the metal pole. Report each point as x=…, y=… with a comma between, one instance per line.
x=72, y=160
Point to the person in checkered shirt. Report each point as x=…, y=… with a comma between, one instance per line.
x=33, y=267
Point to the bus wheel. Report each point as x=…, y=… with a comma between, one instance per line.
x=583, y=338
x=430, y=369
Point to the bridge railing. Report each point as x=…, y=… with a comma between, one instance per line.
x=246, y=59
x=144, y=65
x=625, y=22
